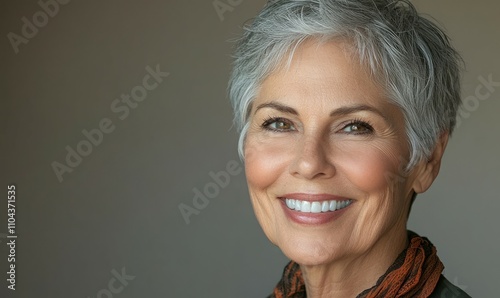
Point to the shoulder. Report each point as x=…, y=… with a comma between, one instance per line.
x=445, y=289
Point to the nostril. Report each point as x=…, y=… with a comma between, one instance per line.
x=312, y=166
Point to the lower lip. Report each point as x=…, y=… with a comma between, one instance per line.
x=308, y=218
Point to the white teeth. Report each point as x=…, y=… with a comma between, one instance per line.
x=333, y=205
x=325, y=206
x=297, y=205
x=316, y=207
x=306, y=206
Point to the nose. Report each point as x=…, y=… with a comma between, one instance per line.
x=313, y=159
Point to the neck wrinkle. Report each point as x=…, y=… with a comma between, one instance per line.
x=343, y=279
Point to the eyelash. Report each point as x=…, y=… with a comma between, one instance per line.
x=360, y=122
x=270, y=120
x=265, y=125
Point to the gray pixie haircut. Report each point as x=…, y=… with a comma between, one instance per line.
x=408, y=54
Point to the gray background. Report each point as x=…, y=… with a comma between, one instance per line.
x=119, y=207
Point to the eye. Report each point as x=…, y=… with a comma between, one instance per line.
x=278, y=124
x=358, y=127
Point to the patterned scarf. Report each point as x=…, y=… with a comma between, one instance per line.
x=415, y=273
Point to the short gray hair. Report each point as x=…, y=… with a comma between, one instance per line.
x=420, y=70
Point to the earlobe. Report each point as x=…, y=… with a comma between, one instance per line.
x=429, y=169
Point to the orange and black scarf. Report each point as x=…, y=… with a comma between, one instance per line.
x=415, y=273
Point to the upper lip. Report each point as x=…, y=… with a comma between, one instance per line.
x=312, y=197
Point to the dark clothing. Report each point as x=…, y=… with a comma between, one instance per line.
x=416, y=273
x=445, y=289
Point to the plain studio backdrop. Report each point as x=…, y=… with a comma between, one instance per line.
x=115, y=113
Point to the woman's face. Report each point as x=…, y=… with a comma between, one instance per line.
x=324, y=136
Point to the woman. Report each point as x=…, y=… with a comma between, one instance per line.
x=345, y=108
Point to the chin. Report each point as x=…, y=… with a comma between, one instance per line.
x=310, y=252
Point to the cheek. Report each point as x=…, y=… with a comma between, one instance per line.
x=370, y=167
x=264, y=163
x=368, y=170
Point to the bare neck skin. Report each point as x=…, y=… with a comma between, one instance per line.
x=350, y=277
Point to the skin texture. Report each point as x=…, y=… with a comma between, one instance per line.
x=321, y=145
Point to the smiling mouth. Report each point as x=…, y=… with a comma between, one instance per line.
x=316, y=206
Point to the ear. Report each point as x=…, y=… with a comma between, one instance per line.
x=429, y=169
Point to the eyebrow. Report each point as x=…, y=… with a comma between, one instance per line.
x=342, y=111
x=356, y=108
x=277, y=106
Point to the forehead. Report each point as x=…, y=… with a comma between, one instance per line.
x=326, y=72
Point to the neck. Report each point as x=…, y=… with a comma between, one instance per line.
x=349, y=277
